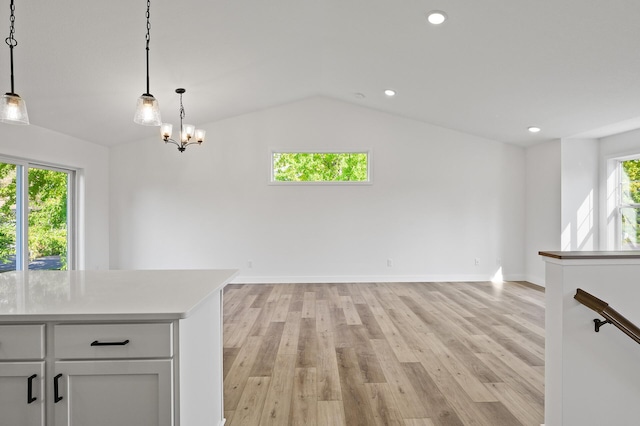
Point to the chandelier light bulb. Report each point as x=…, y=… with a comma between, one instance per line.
x=188, y=132
x=166, y=129
x=200, y=135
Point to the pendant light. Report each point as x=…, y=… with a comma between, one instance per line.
x=187, y=131
x=147, y=109
x=13, y=109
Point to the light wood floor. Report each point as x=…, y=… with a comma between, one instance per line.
x=407, y=354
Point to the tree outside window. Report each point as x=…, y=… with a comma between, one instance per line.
x=320, y=167
x=47, y=217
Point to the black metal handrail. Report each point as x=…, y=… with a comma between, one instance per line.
x=610, y=315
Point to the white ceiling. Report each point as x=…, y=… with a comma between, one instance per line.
x=493, y=69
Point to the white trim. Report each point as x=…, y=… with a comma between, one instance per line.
x=610, y=233
x=335, y=279
x=614, y=166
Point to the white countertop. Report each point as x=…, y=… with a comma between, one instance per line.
x=106, y=295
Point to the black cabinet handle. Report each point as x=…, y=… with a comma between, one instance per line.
x=30, y=397
x=96, y=343
x=56, y=394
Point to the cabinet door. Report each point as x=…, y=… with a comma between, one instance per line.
x=22, y=394
x=107, y=393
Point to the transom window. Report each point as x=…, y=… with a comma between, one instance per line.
x=36, y=220
x=319, y=167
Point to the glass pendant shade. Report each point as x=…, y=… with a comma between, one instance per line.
x=13, y=109
x=200, y=135
x=166, y=129
x=147, y=111
x=187, y=132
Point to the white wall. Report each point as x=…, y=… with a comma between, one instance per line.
x=580, y=194
x=439, y=200
x=543, y=206
x=620, y=145
x=41, y=145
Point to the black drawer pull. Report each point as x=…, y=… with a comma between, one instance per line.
x=56, y=394
x=96, y=343
x=30, y=397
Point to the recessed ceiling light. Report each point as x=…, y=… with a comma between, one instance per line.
x=390, y=92
x=534, y=129
x=436, y=17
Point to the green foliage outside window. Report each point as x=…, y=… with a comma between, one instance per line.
x=631, y=169
x=7, y=214
x=320, y=167
x=630, y=194
x=47, y=222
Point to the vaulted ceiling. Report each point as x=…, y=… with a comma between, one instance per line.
x=492, y=69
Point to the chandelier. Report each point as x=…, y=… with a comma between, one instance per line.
x=13, y=109
x=189, y=135
x=147, y=108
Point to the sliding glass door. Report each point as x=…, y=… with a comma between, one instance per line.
x=36, y=220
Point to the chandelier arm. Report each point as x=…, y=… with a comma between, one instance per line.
x=171, y=141
x=193, y=143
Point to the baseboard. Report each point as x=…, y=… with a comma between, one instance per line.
x=222, y=422
x=535, y=280
x=532, y=285
x=514, y=277
x=367, y=279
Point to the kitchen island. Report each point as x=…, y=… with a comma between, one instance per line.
x=112, y=347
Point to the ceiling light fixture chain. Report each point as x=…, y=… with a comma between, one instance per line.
x=187, y=131
x=11, y=40
x=13, y=109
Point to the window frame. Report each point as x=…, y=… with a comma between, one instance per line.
x=619, y=202
x=22, y=208
x=368, y=152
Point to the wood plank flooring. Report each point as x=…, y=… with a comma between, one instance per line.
x=399, y=354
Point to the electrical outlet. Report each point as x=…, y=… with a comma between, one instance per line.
x=498, y=262
x=477, y=261
x=389, y=263
x=249, y=264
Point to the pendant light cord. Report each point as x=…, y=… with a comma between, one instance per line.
x=148, y=38
x=11, y=41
